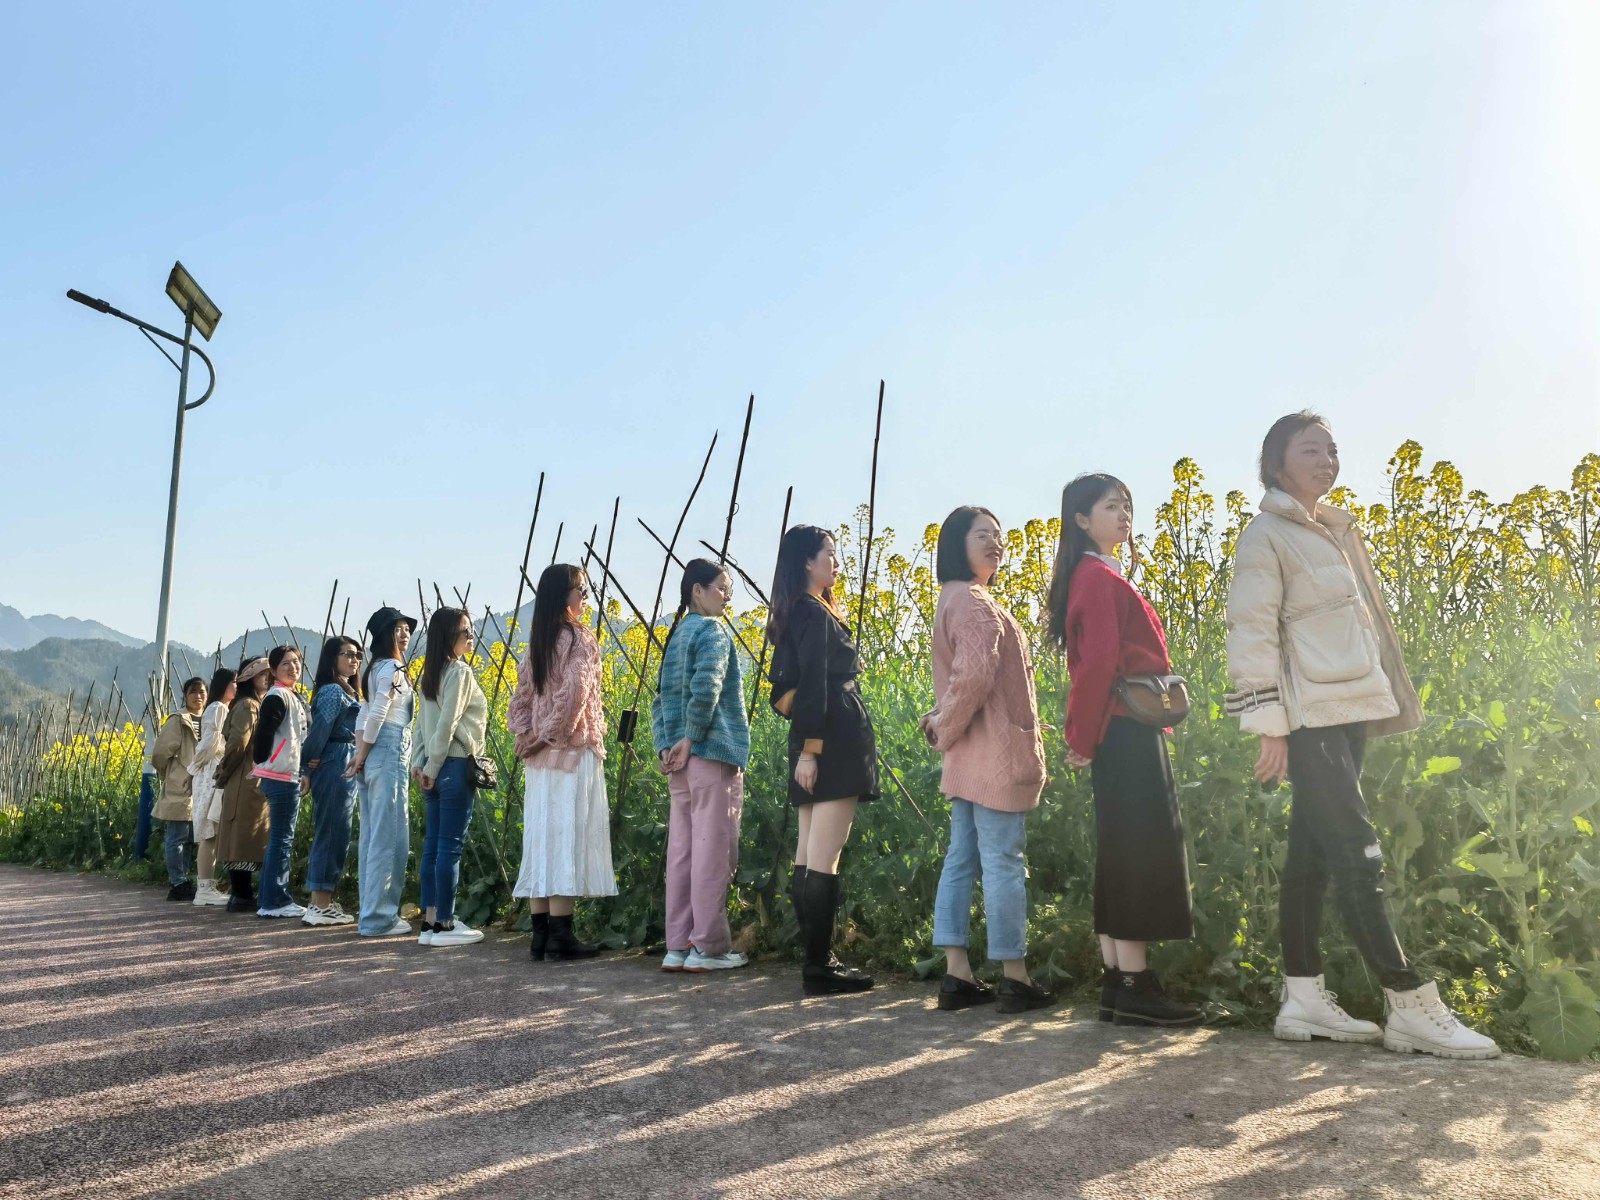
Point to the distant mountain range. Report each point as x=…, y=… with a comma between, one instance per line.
x=18, y=632
x=46, y=659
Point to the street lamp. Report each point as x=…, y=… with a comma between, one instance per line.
x=198, y=313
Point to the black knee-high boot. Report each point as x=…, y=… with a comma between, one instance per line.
x=797, y=883
x=541, y=936
x=823, y=974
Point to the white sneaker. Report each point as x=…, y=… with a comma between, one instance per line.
x=457, y=935
x=1419, y=1022
x=332, y=915
x=288, y=910
x=398, y=929
x=1310, y=1010
x=206, y=895
x=714, y=962
x=425, y=938
x=674, y=960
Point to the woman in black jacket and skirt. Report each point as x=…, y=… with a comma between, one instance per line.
x=833, y=754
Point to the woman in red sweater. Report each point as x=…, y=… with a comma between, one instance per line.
x=1141, y=883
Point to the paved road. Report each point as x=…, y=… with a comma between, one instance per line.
x=155, y=1049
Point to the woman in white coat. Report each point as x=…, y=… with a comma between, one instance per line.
x=1317, y=669
x=206, y=796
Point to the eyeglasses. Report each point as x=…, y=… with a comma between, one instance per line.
x=355, y=654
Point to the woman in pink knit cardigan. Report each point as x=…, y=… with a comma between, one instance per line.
x=985, y=724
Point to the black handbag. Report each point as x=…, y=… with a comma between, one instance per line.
x=483, y=773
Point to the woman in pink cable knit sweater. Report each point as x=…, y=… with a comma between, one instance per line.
x=986, y=726
x=560, y=728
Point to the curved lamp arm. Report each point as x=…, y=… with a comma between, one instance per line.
x=102, y=306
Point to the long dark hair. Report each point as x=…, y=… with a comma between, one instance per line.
x=1078, y=498
x=443, y=627
x=791, y=581
x=382, y=648
x=328, y=663
x=697, y=572
x=1276, y=444
x=951, y=561
x=220, y=679
x=550, y=618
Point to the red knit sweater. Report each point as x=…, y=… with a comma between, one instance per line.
x=1111, y=631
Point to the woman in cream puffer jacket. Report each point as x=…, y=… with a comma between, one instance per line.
x=1317, y=669
x=1310, y=642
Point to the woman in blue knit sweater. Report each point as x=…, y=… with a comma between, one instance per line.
x=702, y=739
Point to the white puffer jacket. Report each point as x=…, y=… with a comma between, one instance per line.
x=1310, y=642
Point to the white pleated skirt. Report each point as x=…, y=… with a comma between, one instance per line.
x=566, y=832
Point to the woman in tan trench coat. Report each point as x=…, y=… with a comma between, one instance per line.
x=242, y=831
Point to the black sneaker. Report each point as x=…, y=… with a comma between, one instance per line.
x=244, y=904
x=182, y=891
x=957, y=993
x=1019, y=996
x=1142, y=1001
x=1110, y=981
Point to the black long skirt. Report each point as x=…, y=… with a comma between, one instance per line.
x=1141, y=878
x=848, y=764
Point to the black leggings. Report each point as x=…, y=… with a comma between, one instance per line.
x=1331, y=839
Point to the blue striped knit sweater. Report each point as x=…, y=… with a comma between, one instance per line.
x=701, y=694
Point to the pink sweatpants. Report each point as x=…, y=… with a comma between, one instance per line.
x=702, y=853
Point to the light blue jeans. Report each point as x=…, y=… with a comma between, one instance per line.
x=995, y=841
x=179, y=835
x=385, y=845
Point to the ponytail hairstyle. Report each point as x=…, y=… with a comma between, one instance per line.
x=221, y=679
x=800, y=545
x=697, y=572
x=190, y=684
x=550, y=618
x=442, y=629
x=1078, y=498
x=328, y=663
x=1276, y=444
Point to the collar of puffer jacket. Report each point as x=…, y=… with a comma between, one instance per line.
x=1280, y=503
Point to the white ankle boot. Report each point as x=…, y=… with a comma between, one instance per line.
x=1310, y=1010
x=1419, y=1022
x=206, y=895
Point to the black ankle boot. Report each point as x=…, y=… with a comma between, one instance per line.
x=1110, y=981
x=563, y=943
x=797, y=884
x=823, y=974
x=1142, y=1001
x=541, y=936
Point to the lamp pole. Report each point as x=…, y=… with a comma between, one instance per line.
x=198, y=313
x=164, y=613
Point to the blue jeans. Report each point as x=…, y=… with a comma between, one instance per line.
x=449, y=811
x=179, y=835
x=994, y=840
x=385, y=845
x=141, y=823
x=333, y=804
x=283, y=810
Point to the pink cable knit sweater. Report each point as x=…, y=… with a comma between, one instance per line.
x=554, y=727
x=986, y=721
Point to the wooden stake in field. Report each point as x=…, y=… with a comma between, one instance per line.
x=761, y=661
x=522, y=579
x=872, y=506
x=611, y=538
x=738, y=473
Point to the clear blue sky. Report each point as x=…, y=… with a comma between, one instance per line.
x=457, y=244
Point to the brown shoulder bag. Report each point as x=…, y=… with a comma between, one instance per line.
x=1159, y=700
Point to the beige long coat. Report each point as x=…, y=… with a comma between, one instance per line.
x=242, y=831
x=173, y=750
